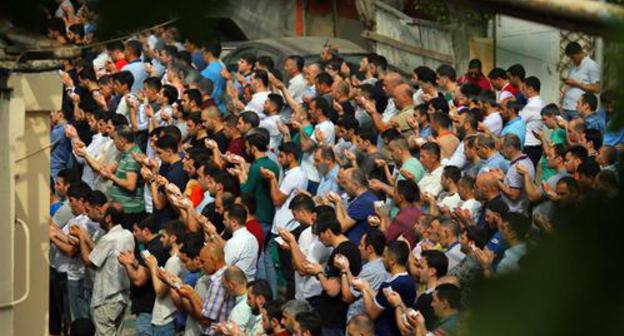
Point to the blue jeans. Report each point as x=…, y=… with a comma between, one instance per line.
x=569, y=114
x=164, y=330
x=144, y=325
x=266, y=265
x=79, y=301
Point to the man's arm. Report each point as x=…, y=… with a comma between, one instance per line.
x=129, y=183
x=276, y=194
x=346, y=222
x=370, y=305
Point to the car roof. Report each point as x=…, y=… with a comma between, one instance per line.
x=307, y=45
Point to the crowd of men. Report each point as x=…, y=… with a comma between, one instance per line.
x=324, y=198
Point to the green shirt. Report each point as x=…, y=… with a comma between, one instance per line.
x=557, y=136
x=131, y=202
x=415, y=167
x=261, y=189
x=448, y=326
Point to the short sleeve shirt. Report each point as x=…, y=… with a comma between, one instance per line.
x=359, y=210
x=588, y=72
x=514, y=180
x=131, y=201
x=405, y=286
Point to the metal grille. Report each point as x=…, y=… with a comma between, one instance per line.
x=587, y=42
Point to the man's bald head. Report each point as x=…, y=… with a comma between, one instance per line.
x=235, y=275
x=486, y=186
x=361, y=325
x=211, y=250
x=403, y=94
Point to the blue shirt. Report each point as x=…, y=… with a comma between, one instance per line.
x=213, y=72
x=61, y=150
x=516, y=127
x=405, y=286
x=495, y=161
x=594, y=121
x=190, y=278
x=328, y=182
x=137, y=69
x=197, y=58
x=359, y=210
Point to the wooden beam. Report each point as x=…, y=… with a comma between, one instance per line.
x=370, y=35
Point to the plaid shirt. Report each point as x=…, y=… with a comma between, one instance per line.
x=218, y=303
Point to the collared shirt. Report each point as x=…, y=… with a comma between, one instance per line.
x=432, y=182
x=218, y=303
x=111, y=282
x=514, y=180
x=531, y=114
x=511, y=259
x=401, y=119
x=328, y=182
x=413, y=166
x=516, y=127
x=241, y=313
x=375, y=273
x=307, y=286
x=242, y=250
x=588, y=72
x=270, y=124
x=454, y=255
x=493, y=162
x=294, y=179
x=404, y=285
x=458, y=159
x=61, y=149
x=137, y=69
x=297, y=87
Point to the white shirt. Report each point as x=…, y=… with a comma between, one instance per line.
x=270, y=124
x=308, y=286
x=494, y=122
x=297, y=87
x=588, y=72
x=293, y=180
x=432, y=182
x=458, y=159
x=531, y=114
x=454, y=255
x=474, y=207
x=73, y=266
x=307, y=161
x=451, y=201
x=328, y=130
x=164, y=309
x=256, y=103
x=389, y=112
x=123, y=108
x=97, y=142
x=242, y=250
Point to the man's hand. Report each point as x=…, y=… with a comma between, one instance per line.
x=341, y=262
x=210, y=144
x=226, y=74
x=267, y=173
x=407, y=174
x=151, y=262
x=360, y=285
x=313, y=268
x=106, y=173
x=287, y=236
x=394, y=299
x=521, y=169
x=349, y=155
x=126, y=258
x=571, y=82
x=374, y=220
x=485, y=257
x=376, y=185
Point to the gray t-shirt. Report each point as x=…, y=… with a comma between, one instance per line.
x=375, y=273
x=164, y=309
x=193, y=328
x=514, y=180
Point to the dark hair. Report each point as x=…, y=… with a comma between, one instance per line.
x=250, y=117
x=488, y=97
x=431, y=148
x=379, y=61
x=249, y=58
x=348, y=122
x=79, y=190
x=250, y=202
x=261, y=287
x=594, y=136
x=290, y=148
x=517, y=70
x=579, y=152
x=302, y=202
x=125, y=132
x=437, y=260
x=512, y=140
x=274, y=310
x=478, y=234
x=167, y=142
x=194, y=95
x=375, y=239
x=368, y=135
x=550, y=110
x=570, y=182
x=519, y=224
x=118, y=120
x=472, y=117
x=56, y=25
x=214, y=48
x=447, y=71
x=266, y=61
x=96, y=198
x=238, y=213
x=88, y=73
x=258, y=140
x=115, y=45
x=192, y=243
x=591, y=100
x=149, y=223
x=298, y=61
x=452, y=172
x=116, y=213
x=399, y=251
x=533, y=82
x=588, y=168
x=174, y=131
x=124, y=78
x=135, y=46
x=82, y=327
x=497, y=73
x=409, y=190
x=310, y=321
x=470, y=90
x=327, y=221
x=205, y=85
x=475, y=63
x=277, y=101
x=426, y=75
x=498, y=205
x=325, y=108
x=559, y=150
x=573, y=48
x=327, y=153
x=324, y=78
x=153, y=83
x=77, y=29
x=449, y=293
x=170, y=93
x=442, y=120
x=262, y=76
x=439, y=105
x=68, y=175
x=175, y=228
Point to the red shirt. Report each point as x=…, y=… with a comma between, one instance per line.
x=403, y=224
x=237, y=146
x=120, y=63
x=482, y=81
x=254, y=227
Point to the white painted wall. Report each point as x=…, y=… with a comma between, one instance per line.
x=535, y=46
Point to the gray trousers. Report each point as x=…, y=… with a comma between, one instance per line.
x=109, y=318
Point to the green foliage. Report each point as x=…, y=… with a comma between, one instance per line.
x=440, y=11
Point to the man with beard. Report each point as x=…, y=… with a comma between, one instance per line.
x=289, y=312
x=97, y=143
x=110, y=290
x=448, y=142
x=273, y=105
x=235, y=283
x=513, y=122
x=258, y=295
x=271, y=319
x=468, y=124
x=486, y=190
x=325, y=163
x=511, y=184
x=376, y=304
x=491, y=158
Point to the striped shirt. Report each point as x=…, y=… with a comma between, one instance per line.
x=131, y=202
x=218, y=303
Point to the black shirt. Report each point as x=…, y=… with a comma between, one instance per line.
x=143, y=297
x=333, y=309
x=174, y=173
x=423, y=305
x=221, y=140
